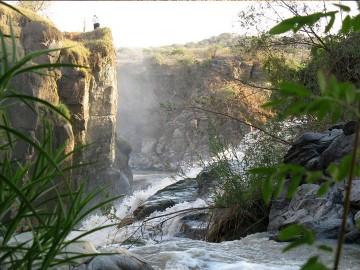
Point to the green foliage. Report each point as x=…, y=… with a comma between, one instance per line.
x=36, y=192
x=235, y=187
x=63, y=109
x=333, y=98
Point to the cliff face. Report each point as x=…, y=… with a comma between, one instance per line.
x=90, y=94
x=159, y=114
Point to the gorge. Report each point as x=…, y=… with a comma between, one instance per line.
x=179, y=106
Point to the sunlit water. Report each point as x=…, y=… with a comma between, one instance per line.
x=155, y=240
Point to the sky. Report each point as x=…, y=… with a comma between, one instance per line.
x=154, y=23
x=149, y=23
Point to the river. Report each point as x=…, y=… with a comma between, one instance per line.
x=156, y=241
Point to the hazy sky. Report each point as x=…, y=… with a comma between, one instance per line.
x=149, y=23
x=153, y=23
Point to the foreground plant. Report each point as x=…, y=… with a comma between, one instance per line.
x=335, y=97
x=36, y=194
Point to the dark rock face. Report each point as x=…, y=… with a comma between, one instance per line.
x=316, y=151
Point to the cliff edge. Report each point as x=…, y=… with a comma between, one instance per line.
x=88, y=94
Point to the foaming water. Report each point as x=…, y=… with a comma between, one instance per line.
x=254, y=252
x=148, y=232
x=164, y=251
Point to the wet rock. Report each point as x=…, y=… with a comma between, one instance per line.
x=322, y=214
x=194, y=226
x=183, y=190
x=124, y=260
x=307, y=150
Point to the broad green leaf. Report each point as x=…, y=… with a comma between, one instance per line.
x=319, y=107
x=343, y=7
x=282, y=27
x=314, y=264
x=346, y=25
x=295, y=244
x=322, y=82
x=297, y=108
x=356, y=23
x=325, y=248
x=324, y=187
x=344, y=168
x=292, y=89
x=293, y=169
x=274, y=103
x=294, y=183
x=333, y=86
x=267, y=190
x=314, y=177
x=350, y=92
x=279, y=188
x=333, y=170
x=336, y=112
x=291, y=232
x=330, y=24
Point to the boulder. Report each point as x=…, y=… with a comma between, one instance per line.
x=316, y=151
x=183, y=190
x=123, y=260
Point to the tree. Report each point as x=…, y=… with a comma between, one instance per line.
x=35, y=6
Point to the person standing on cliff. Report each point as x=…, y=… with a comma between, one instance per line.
x=96, y=22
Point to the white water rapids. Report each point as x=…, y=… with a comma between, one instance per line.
x=164, y=251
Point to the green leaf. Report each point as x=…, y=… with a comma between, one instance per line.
x=297, y=108
x=295, y=244
x=314, y=177
x=324, y=187
x=294, y=183
x=333, y=170
x=319, y=107
x=336, y=112
x=325, y=248
x=267, y=190
x=330, y=24
x=292, y=89
x=314, y=264
x=322, y=82
x=350, y=92
x=282, y=27
x=279, y=188
x=343, y=168
x=356, y=23
x=291, y=232
x=343, y=7
x=263, y=170
x=274, y=103
x=346, y=25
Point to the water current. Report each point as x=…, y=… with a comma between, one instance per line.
x=164, y=251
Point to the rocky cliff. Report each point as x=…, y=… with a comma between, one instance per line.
x=315, y=152
x=164, y=95
x=90, y=95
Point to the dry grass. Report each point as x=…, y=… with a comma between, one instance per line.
x=236, y=222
